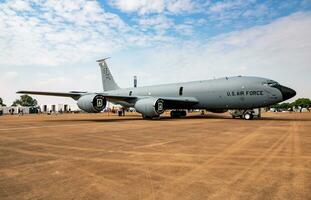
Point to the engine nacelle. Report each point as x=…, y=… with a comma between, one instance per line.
x=92, y=103
x=150, y=107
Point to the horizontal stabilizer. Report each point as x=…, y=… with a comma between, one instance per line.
x=102, y=60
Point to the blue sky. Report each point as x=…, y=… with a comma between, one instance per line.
x=53, y=44
x=210, y=18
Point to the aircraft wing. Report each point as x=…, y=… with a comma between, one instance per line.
x=170, y=102
x=76, y=95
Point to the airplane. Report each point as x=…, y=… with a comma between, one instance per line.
x=242, y=93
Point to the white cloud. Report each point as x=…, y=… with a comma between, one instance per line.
x=256, y=12
x=237, y=12
x=60, y=80
x=140, y=6
x=159, y=6
x=159, y=23
x=163, y=25
x=55, y=32
x=228, y=5
x=178, y=6
x=19, y=5
x=10, y=76
x=156, y=20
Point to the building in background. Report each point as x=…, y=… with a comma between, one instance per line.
x=60, y=108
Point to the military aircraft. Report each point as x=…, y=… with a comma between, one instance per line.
x=242, y=93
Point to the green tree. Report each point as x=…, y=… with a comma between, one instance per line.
x=283, y=106
x=1, y=102
x=302, y=102
x=25, y=100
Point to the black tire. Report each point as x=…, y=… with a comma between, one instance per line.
x=176, y=114
x=183, y=113
x=172, y=114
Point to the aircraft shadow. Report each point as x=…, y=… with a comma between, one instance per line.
x=138, y=118
x=167, y=118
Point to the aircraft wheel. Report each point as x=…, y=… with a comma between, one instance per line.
x=178, y=114
x=183, y=113
x=248, y=116
x=175, y=114
x=172, y=113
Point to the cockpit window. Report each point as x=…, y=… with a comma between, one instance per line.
x=270, y=83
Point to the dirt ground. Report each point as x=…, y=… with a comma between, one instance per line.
x=95, y=156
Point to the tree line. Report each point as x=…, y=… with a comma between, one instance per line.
x=301, y=102
x=24, y=100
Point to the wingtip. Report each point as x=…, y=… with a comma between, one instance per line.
x=22, y=92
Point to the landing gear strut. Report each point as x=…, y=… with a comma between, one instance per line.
x=178, y=113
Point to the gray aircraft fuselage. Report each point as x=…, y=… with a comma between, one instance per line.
x=240, y=92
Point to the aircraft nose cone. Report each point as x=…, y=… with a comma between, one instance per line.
x=287, y=93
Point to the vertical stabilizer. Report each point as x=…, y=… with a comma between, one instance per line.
x=107, y=78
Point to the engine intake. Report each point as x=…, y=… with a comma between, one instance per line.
x=150, y=107
x=92, y=103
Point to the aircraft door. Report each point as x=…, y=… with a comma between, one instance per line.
x=181, y=90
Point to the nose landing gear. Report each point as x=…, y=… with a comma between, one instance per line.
x=246, y=114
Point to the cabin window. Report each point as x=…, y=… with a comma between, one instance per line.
x=181, y=91
x=130, y=93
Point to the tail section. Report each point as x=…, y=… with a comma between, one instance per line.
x=107, y=78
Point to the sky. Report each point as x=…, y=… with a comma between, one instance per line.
x=52, y=45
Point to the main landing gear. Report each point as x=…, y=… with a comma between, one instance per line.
x=178, y=113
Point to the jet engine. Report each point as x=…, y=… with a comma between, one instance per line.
x=92, y=103
x=150, y=107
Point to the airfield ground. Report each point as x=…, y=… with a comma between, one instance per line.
x=93, y=156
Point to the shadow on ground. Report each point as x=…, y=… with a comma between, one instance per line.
x=167, y=118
